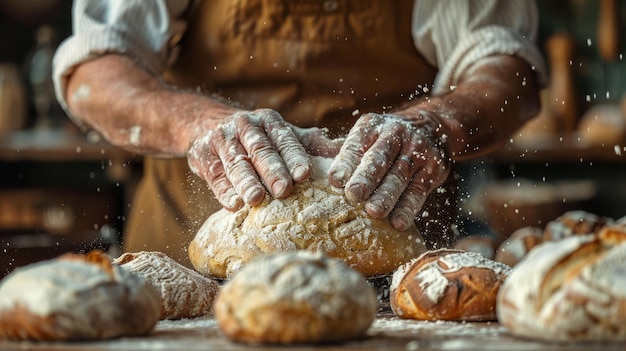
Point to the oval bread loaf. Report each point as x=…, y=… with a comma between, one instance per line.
x=76, y=297
x=449, y=285
x=184, y=293
x=570, y=289
x=315, y=217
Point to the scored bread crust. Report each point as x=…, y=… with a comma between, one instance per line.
x=315, y=217
x=448, y=284
x=570, y=289
x=76, y=297
x=293, y=298
x=185, y=293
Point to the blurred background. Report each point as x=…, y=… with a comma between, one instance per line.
x=62, y=190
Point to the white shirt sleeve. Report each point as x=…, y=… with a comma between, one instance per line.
x=145, y=29
x=454, y=34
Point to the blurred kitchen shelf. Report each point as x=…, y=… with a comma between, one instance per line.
x=559, y=149
x=57, y=145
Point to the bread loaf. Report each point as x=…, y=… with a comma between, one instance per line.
x=448, y=285
x=184, y=293
x=517, y=246
x=315, y=217
x=76, y=297
x=574, y=223
x=570, y=289
x=295, y=297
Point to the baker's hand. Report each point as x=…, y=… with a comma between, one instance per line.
x=252, y=151
x=390, y=165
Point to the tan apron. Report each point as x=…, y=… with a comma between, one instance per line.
x=319, y=63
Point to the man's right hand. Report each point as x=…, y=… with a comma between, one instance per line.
x=251, y=151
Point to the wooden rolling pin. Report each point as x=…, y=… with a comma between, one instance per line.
x=608, y=30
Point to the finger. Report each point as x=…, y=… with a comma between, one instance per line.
x=410, y=203
x=291, y=150
x=205, y=162
x=360, y=138
x=392, y=187
x=238, y=167
x=373, y=168
x=428, y=178
x=220, y=185
x=264, y=157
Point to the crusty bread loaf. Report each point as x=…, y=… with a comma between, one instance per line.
x=517, y=246
x=574, y=223
x=184, y=293
x=295, y=297
x=448, y=285
x=569, y=289
x=315, y=217
x=76, y=297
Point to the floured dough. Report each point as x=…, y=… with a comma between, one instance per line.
x=76, y=297
x=184, y=292
x=315, y=217
x=296, y=297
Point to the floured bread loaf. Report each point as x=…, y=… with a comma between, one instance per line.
x=517, y=246
x=570, y=289
x=184, y=293
x=76, y=297
x=295, y=297
x=448, y=285
x=574, y=223
x=315, y=217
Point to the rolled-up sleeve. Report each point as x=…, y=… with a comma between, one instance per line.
x=452, y=35
x=144, y=30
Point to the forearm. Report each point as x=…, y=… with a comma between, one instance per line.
x=135, y=110
x=494, y=98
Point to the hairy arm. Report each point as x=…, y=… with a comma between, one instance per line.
x=495, y=97
x=135, y=110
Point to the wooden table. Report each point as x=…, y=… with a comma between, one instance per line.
x=386, y=333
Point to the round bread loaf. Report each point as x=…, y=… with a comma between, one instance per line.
x=315, y=217
x=295, y=297
x=184, y=293
x=570, y=289
x=513, y=249
x=76, y=297
x=448, y=285
x=574, y=223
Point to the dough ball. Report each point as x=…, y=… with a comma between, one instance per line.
x=76, y=297
x=517, y=246
x=448, y=285
x=315, y=217
x=184, y=293
x=296, y=297
x=570, y=289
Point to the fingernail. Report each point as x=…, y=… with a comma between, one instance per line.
x=299, y=172
x=375, y=209
x=254, y=196
x=355, y=192
x=279, y=187
x=338, y=175
x=233, y=200
x=400, y=221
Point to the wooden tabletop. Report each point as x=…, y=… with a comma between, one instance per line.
x=386, y=333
